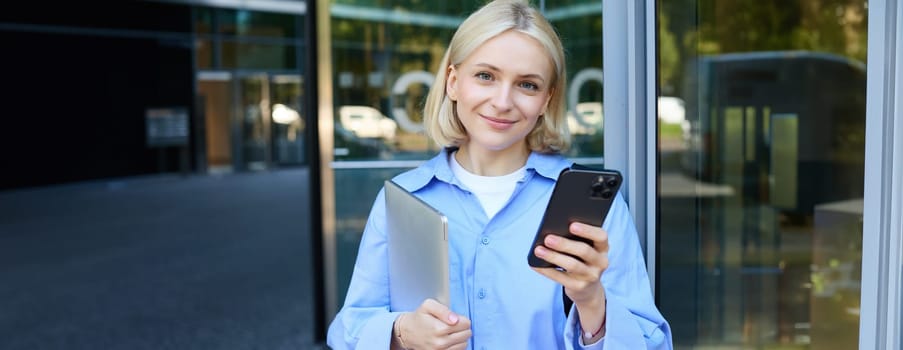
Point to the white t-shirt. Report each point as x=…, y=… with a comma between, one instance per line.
x=492, y=191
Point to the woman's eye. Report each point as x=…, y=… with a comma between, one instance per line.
x=483, y=76
x=529, y=86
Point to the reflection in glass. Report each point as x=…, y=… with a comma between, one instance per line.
x=760, y=200
x=580, y=26
x=243, y=55
x=258, y=24
x=288, y=123
x=203, y=20
x=272, y=126
x=383, y=70
x=255, y=122
x=204, y=53
x=367, y=122
x=355, y=191
x=263, y=49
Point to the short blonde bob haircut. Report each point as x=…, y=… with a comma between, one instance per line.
x=441, y=122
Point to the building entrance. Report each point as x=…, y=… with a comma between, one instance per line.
x=251, y=121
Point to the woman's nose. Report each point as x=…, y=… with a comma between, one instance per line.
x=502, y=99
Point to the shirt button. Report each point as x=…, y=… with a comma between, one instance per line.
x=485, y=240
x=482, y=294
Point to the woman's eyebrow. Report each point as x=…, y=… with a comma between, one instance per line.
x=494, y=68
x=487, y=65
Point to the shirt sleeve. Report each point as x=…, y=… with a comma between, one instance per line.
x=632, y=320
x=365, y=320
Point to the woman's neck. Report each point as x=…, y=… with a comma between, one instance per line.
x=492, y=163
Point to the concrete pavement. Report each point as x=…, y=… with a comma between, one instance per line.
x=158, y=262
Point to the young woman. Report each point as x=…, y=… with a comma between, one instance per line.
x=497, y=107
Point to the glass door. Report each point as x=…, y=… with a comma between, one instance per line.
x=287, y=127
x=271, y=125
x=254, y=96
x=761, y=161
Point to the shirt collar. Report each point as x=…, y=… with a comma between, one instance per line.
x=435, y=168
x=546, y=165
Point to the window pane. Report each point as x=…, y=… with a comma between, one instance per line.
x=434, y=7
x=255, y=126
x=243, y=55
x=204, y=53
x=288, y=123
x=580, y=25
x=259, y=24
x=382, y=74
x=761, y=150
x=203, y=20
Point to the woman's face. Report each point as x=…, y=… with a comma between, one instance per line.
x=501, y=89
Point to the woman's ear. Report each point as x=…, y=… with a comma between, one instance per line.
x=451, y=83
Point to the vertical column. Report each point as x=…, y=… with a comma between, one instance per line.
x=629, y=95
x=882, y=245
x=320, y=115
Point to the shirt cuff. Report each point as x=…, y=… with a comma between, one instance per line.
x=573, y=334
x=378, y=331
x=621, y=330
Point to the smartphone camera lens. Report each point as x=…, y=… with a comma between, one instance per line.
x=612, y=182
x=598, y=187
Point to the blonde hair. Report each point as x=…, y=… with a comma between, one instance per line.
x=550, y=135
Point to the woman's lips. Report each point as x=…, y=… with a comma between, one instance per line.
x=498, y=123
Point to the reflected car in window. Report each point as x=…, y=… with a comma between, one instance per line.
x=367, y=122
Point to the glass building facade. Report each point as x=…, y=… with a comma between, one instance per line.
x=761, y=192
x=757, y=138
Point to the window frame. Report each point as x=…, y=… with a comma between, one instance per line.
x=881, y=307
x=630, y=73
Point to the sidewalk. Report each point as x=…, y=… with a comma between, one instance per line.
x=159, y=262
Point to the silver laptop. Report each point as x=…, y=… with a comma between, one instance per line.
x=418, y=250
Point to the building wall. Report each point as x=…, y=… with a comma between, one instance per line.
x=77, y=82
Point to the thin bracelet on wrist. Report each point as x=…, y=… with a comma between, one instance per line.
x=397, y=327
x=594, y=334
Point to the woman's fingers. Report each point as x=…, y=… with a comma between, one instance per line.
x=571, y=247
x=435, y=326
x=581, y=264
x=593, y=233
x=450, y=341
x=559, y=258
x=575, y=248
x=440, y=311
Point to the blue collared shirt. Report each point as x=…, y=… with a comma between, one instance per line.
x=510, y=305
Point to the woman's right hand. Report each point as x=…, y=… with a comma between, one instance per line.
x=432, y=326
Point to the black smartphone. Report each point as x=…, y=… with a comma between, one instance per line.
x=582, y=194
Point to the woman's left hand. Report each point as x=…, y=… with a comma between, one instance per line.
x=581, y=270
